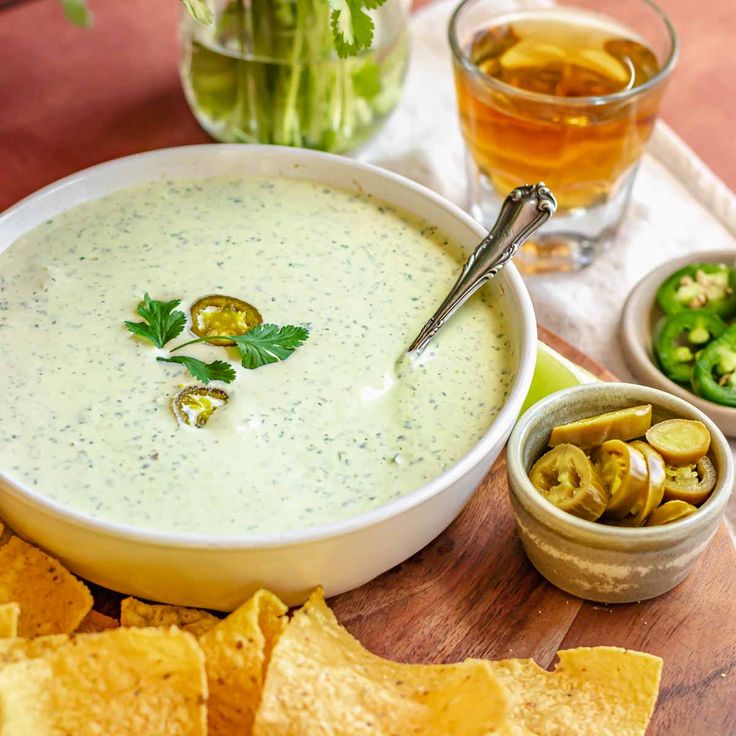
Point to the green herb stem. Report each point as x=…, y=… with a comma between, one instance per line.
x=209, y=338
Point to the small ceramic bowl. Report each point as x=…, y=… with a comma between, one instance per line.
x=603, y=563
x=638, y=320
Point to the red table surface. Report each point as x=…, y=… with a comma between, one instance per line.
x=71, y=97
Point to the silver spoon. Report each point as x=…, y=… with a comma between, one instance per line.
x=523, y=212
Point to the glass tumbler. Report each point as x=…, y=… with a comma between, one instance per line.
x=564, y=93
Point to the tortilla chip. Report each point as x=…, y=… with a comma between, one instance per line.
x=237, y=651
x=52, y=600
x=137, y=613
x=95, y=621
x=598, y=691
x=18, y=650
x=116, y=683
x=9, y=614
x=322, y=681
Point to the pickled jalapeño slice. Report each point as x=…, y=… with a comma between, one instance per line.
x=690, y=483
x=654, y=489
x=680, y=441
x=669, y=512
x=623, y=471
x=196, y=404
x=218, y=314
x=566, y=477
x=624, y=424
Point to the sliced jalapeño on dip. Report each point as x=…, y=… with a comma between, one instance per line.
x=194, y=405
x=218, y=314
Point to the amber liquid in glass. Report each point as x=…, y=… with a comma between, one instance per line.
x=579, y=150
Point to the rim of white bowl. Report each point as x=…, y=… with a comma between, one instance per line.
x=506, y=417
x=712, y=506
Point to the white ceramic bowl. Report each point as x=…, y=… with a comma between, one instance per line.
x=638, y=319
x=219, y=572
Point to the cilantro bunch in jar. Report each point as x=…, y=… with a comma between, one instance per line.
x=321, y=74
x=311, y=73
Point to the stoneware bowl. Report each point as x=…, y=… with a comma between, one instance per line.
x=217, y=571
x=638, y=321
x=607, y=563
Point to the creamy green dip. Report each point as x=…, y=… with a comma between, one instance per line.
x=335, y=430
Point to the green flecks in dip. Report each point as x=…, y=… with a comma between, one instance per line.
x=341, y=427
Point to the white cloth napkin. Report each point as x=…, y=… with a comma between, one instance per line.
x=678, y=205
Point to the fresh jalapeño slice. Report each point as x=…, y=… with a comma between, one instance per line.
x=682, y=337
x=218, y=314
x=714, y=375
x=194, y=405
x=700, y=286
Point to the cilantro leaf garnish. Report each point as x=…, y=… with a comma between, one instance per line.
x=163, y=322
x=261, y=345
x=218, y=370
x=267, y=343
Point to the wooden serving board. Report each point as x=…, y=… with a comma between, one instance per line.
x=473, y=593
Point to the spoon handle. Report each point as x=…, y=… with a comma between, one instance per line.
x=524, y=211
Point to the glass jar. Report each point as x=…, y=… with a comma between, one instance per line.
x=267, y=72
